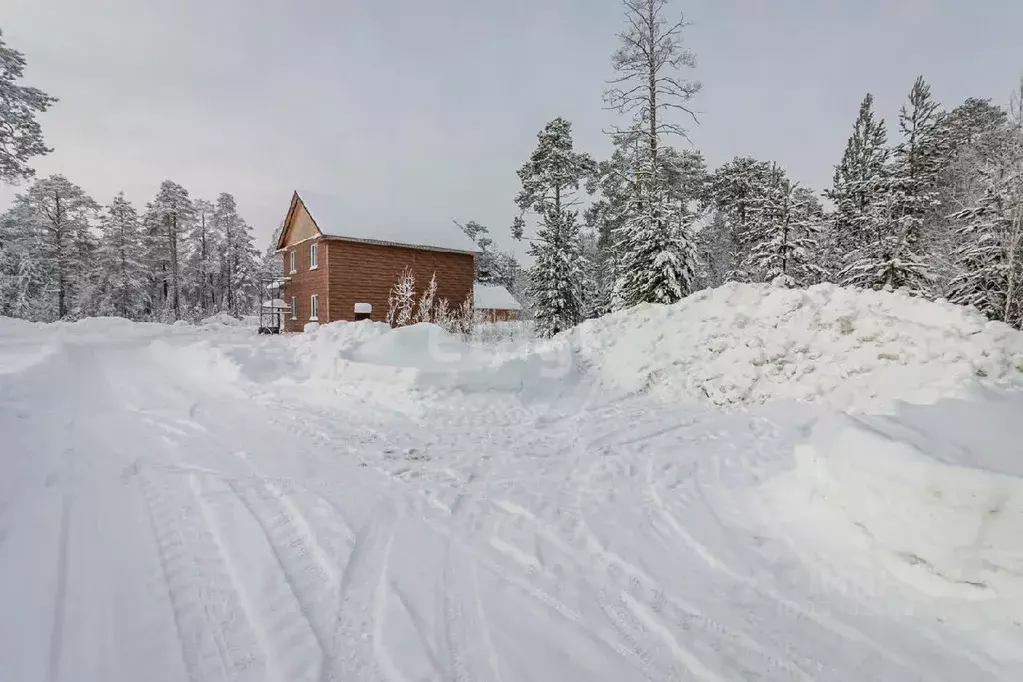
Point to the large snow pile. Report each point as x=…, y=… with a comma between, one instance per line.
x=886, y=520
x=853, y=349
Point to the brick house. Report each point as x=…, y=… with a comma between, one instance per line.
x=336, y=264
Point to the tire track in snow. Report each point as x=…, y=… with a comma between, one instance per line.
x=311, y=579
x=60, y=594
x=224, y=632
x=285, y=634
x=351, y=654
x=202, y=647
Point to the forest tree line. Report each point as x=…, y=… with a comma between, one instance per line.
x=934, y=210
x=63, y=256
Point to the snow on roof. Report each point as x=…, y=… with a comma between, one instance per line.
x=493, y=297
x=336, y=218
x=276, y=303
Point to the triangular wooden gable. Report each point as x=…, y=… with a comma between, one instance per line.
x=298, y=225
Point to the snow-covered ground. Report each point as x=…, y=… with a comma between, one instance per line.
x=727, y=489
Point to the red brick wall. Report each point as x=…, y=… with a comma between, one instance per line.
x=304, y=283
x=365, y=273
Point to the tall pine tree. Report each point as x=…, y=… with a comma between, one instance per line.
x=201, y=262
x=655, y=255
x=785, y=244
x=550, y=181
x=21, y=137
x=239, y=267
x=61, y=211
x=119, y=262
x=170, y=220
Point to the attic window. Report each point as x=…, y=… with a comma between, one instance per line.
x=313, y=264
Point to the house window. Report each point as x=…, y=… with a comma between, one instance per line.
x=312, y=256
x=294, y=308
x=294, y=263
x=314, y=307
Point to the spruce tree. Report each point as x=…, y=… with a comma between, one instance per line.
x=658, y=255
x=120, y=261
x=21, y=137
x=550, y=182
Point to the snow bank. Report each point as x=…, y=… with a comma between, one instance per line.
x=945, y=530
x=222, y=320
x=852, y=349
x=426, y=357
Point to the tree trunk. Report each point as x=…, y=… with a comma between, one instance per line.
x=652, y=86
x=172, y=239
x=58, y=232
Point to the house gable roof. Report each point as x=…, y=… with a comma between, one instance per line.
x=493, y=297
x=333, y=219
x=299, y=225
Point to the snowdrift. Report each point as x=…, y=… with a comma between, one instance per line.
x=855, y=350
x=947, y=530
x=738, y=345
x=887, y=511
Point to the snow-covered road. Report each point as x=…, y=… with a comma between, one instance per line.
x=159, y=525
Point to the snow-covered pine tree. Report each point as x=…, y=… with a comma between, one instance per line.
x=272, y=265
x=785, y=249
x=239, y=269
x=860, y=182
x=989, y=253
x=26, y=282
x=201, y=263
x=605, y=218
x=875, y=248
x=658, y=255
x=550, y=182
x=124, y=285
x=917, y=162
x=648, y=87
x=21, y=137
x=493, y=266
x=170, y=222
x=61, y=212
x=989, y=234
x=969, y=138
x=738, y=191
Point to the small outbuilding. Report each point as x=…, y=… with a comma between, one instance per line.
x=495, y=302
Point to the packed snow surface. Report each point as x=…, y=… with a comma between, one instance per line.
x=359, y=503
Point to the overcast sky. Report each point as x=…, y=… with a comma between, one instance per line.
x=424, y=109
